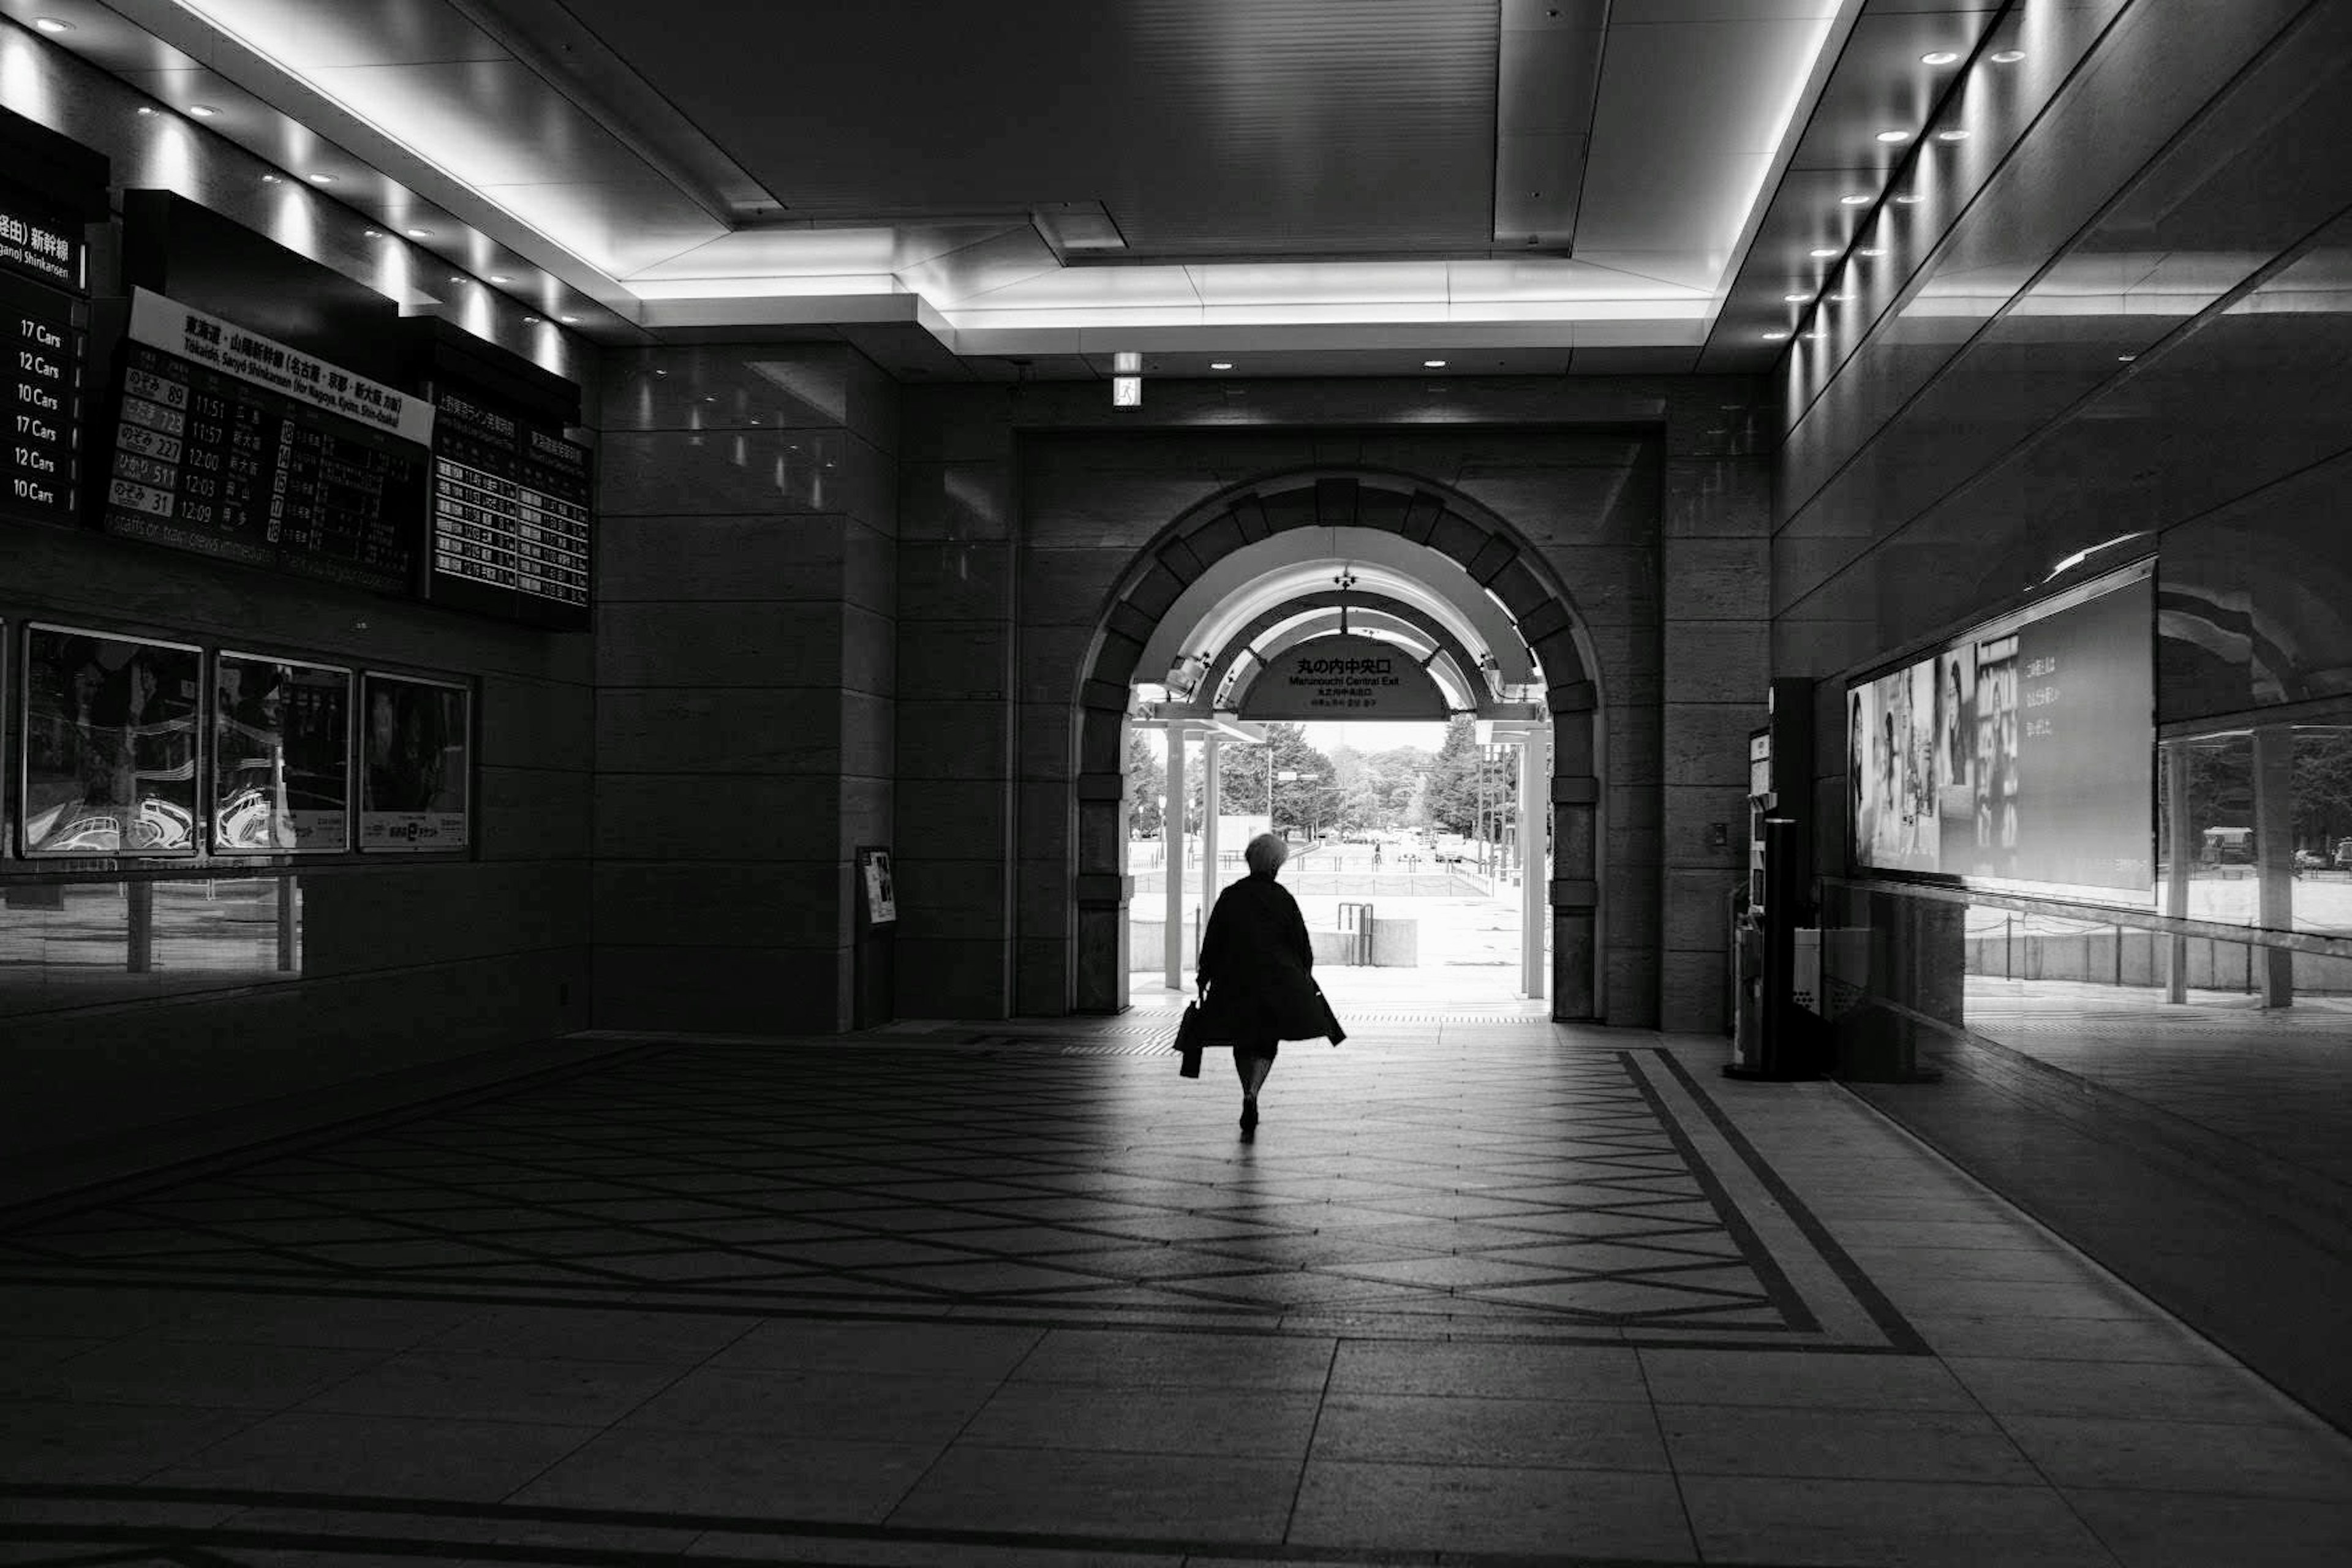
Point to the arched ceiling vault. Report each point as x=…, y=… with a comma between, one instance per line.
x=1242, y=586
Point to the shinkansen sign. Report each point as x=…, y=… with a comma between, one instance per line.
x=1344, y=677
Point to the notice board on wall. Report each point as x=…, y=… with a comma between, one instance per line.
x=48, y=186
x=2022, y=750
x=233, y=445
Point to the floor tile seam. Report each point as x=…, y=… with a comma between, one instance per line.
x=1674, y=1468
x=1794, y=1309
x=1881, y=1311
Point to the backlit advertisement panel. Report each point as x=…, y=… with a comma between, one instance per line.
x=414, y=743
x=281, y=757
x=2023, y=752
x=110, y=745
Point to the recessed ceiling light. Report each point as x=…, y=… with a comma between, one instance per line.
x=530, y=320
x=2006, y=57
x=145, y=109
x=1939, y=57
x=2125, y=359
x=1910, y=198
x=1837, y=299
x=1872, y=250
x=661, y=373
x=709, y=398
x=268, y=179
x=1221, y=364
x=1895, y=136
x=371, y=233
x=568, y=318
x=500, y=278
x=1821, y=252
x=419, y=233
x=1433, y=364
x=1859, y=199
x=1951, y=135
x=1776, y=337
x=322, y=179
x=454, y=278
x=202, y=110
x=1795, y=299
x=51, y=24
x=1815, y=335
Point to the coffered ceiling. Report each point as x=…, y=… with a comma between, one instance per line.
x=1341, y=185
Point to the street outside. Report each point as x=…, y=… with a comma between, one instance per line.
x=1469, y=924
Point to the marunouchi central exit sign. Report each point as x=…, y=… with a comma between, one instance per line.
x=1344, y=677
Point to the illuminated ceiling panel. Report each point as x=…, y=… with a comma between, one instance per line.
x=1253, y=166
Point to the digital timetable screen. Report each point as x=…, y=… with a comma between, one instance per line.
x=510, y=515
x=235, y=446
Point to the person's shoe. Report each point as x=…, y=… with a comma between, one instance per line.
x=1249, y=1115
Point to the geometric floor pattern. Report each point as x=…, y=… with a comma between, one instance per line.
x=1480, y=1294
x=1029, y=1178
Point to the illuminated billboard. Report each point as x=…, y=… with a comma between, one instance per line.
x=2021, y=751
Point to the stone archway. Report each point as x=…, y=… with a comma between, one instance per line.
x=1497, y=559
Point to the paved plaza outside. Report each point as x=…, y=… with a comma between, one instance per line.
x=1482, y=1289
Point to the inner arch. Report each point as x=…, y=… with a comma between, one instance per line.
x=1216, y=606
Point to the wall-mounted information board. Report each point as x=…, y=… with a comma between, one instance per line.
x=43, y=332
x=233, y=445
x=510, y=515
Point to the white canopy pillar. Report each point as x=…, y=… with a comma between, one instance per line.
x=1172, y=831
x=1531, y=739
x=1211, y=767
x=1535, y=905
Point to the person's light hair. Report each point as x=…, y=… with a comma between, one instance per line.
x=1266, y=852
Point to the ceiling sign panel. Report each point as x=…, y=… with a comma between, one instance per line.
x=1344, y=677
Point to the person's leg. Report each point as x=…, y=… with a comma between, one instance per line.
x=1252, y=1065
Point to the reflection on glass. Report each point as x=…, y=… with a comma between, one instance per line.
x=281, y=757
x=78, y=944
x=2257, y=827
x=110, y=745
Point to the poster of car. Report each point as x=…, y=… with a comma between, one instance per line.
x=109, y=749
x=415, y=750
x=281, y=757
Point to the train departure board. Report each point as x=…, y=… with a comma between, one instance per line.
x=43, y=321
x=233, y=445
x=510, y=514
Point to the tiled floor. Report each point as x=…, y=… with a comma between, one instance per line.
x=1480, y=1291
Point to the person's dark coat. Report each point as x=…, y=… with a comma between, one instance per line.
x=1257, y=962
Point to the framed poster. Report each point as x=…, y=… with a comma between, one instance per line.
x=108, y=757
x=875, y=880
x=281, y=756
x=416, y=760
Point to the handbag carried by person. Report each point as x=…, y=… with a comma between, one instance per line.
x=1188, y=1041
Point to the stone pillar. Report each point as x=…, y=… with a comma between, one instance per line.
x=1575, y=888
x=747, y=657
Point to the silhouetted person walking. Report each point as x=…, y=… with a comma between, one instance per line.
x=1255, y=972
